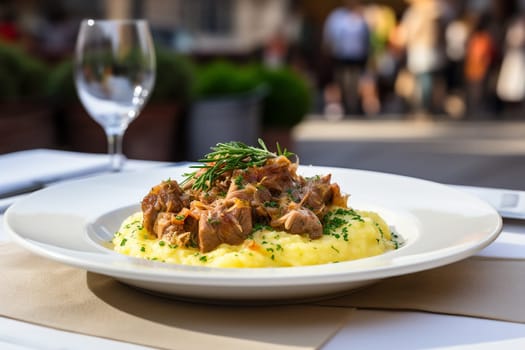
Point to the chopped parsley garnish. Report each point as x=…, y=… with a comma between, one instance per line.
x=338, y=221
x=123, y=242
x=213, y=221
x=238, y=182
x=261, y=227
x=380, y=230
x=271, y=204
x=333, y=223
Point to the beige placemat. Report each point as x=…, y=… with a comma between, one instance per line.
x=480, y=287
x=40, y=291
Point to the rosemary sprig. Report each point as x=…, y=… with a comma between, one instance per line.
x=230, y=156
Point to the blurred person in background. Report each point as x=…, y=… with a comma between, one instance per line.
x=511, y=83
x=346, y=38
x=9, y=31
x=276, y=50
x=421, y=32
x=55, y=34
x=378, y=84
x=456, y=35
x=291, y=44
x=480, y=56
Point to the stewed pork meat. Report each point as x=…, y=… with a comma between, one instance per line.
x=226, y=210
x=317, y=192
x=300, y=220
x=165, y=197
x=230, y=221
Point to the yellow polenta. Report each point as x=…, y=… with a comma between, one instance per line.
x=348, y=234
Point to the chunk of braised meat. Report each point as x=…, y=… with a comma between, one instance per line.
x=167, y=223
x=256, y=196
x=165, y=197
x=176, y=228
x=225, y=212
x=211, y=195
x=246, y=192
x=278, y=175
x=217, y=190
x=262, y=199
x=317, y=194
x=171, y=227
x=300, y=220
x=229, y=221
x=338, y=199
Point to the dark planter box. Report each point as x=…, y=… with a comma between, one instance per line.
x=26, y=125
x=153, y=135
x=224, y=119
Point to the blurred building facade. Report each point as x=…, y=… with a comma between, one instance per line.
x=481, y=43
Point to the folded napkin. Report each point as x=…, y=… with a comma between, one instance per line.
x=44, y=292
x=33, y=168
x=489, y=285
x=480, y=287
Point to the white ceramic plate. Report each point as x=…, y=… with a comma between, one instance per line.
x=72, y=223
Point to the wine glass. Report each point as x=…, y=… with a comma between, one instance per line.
x=114, y=75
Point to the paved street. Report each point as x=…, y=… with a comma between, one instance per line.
x=482, y=153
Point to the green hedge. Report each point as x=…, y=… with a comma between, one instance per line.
x=174, y=77
x=21, y=75
x=288, y=97
x=173, y=80
x=287, y=101
x=221, y=78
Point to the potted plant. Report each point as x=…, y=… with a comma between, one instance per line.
x=226, y=107
x=155, y=134
x=288, y=101
x=26, y=121
x=159, y=129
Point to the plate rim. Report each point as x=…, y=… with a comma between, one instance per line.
x=234, y=279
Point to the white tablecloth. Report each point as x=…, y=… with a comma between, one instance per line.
x=365, y=329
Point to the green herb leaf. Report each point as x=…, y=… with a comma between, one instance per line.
x=227, y=157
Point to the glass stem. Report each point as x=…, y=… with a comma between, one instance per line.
x=116, y=157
